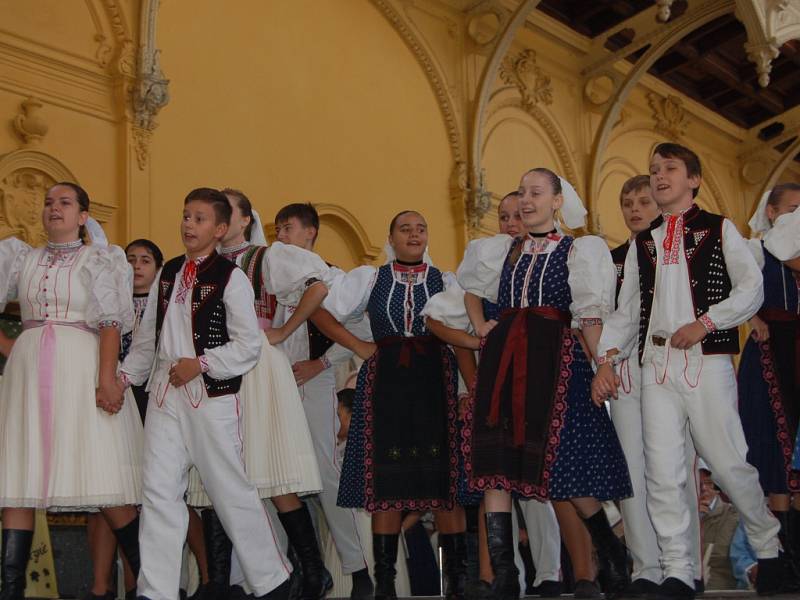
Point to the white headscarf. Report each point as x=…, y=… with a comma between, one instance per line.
x=257, y=237
x=573, y=213
x=759, y=222
x=96, y=234
x=390, y=255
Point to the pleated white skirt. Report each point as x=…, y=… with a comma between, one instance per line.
x=278, y=452
x=57, y=449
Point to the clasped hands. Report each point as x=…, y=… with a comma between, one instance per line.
x=606, y=382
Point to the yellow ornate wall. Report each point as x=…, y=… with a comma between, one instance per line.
x=364, y=107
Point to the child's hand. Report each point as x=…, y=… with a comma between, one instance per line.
x=305, y=370
x=760, y=331
x=483, y=330
x=109, y=396
x=688, y=335
x=183, y=371
x=604, y=384
x=275, y=335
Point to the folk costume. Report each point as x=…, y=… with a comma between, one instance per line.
x=626, y=414
x=58, y=449
x=278, y=451
x=199, y=308
x=401, y=449
x=691, y=266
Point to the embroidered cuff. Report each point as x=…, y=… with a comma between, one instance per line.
x=706, y=321
x=326, y=363
x=591, y=322
x=203, y=363
x=109, y=323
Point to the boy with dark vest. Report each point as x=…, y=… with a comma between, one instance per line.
x=639, y=210
x=690, y=280
x=198, y=336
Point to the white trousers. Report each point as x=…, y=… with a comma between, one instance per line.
x=185, y=427
x=640, y=535
x=544, y=537
x=319, y=402
x=704, y=396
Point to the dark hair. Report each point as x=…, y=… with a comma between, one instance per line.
x=393, y=222
x=304, y=212
x=555, y=180
x=218, y=201
x=682, y=153
x=151, y=247
x=775, y=196
x=345, y=397
x=634, y=184
x=245, y=206
x=513, y=194
x=81, y=196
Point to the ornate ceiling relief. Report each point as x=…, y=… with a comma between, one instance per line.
x=769, y=24
x=671, y=118
x=533, y=84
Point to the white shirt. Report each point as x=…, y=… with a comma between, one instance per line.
x=230, y=360
x=672, y=303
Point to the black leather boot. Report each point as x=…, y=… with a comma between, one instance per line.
x=16, y=550
x=612, y=555
x=776, y=576
x=128, y=541
x=218, y=555
x=501, y=553
x=454, y=546
x=384, y=550
x=302, y=537
x=362, y=589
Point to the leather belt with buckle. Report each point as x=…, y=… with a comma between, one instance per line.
x=658, y=340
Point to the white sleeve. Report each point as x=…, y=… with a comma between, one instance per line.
x=448, y=306
x=783, y=240
x=109, y=279
x=241, y=353
x=592, y=278
x=348, y=293
x=13, y=253
x=757, y=250
x=288, y=269
x=139, y=361
x=747, y=293
x=479, y=271
x=621, y=328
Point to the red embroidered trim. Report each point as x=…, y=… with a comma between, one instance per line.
x=523, y=488
x=672, y=239
x=706, y=321
x=785, y=441
x=370, y=503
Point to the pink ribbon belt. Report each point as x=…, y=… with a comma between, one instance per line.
x=47, y=364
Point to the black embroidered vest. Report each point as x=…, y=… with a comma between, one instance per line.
x=709, y=281
x=209, y=320
x=618, y=255
x=252, y=265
